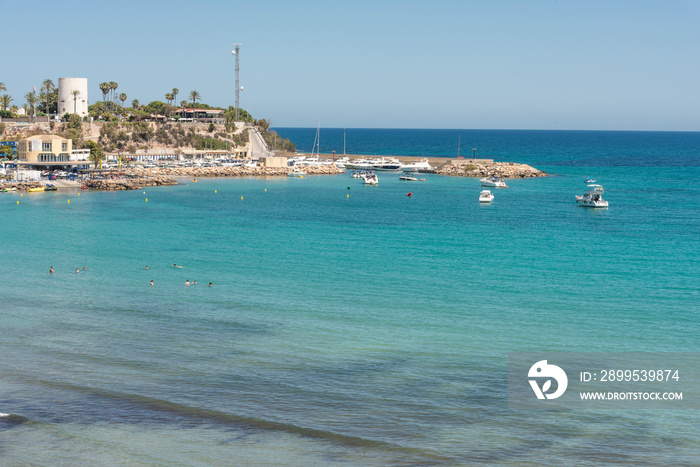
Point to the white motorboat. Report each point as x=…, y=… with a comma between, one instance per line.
x=486, y=196
x=370, y=178
x=494, y=182
x=359, y=164
x=296, y=173
x=386, y=165
x=422, y=166
x=593, y=198
x=408, y=178
x=589, y=180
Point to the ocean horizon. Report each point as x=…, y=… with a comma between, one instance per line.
x=350, y=324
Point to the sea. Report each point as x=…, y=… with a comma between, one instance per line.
x=349, y=324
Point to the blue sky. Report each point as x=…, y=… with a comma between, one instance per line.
x=591, y=65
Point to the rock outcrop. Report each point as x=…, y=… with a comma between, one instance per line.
x=500, y=169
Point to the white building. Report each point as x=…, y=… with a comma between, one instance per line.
x=70, y=103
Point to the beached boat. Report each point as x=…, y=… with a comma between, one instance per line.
x=421, y=166
x=486, y=196
x=593, y=198
x=49, y=187
x=494, y=182
x=408, y=178
x=296, y=173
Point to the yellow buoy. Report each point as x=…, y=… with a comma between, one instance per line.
x=215, y=191
x=17, y=201
x=265, y=189
x=21, y=194
x=241, y=197
x=144, y=192
x=347, y=196
x=78, y=194
x=68, y=201
x=147, y=200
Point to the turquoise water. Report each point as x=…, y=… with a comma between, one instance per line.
x=348, y=324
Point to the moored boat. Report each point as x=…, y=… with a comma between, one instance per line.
x=494, y=182
x=485, y=196
x=593, y=198
x=408, y=178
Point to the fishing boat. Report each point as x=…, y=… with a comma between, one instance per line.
x=493, y=182
x=486, y=196
x=593, y=198
x=408, y=178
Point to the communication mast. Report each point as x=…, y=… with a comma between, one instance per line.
x=236, y=53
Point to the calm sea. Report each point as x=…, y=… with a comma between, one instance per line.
x=349, y=325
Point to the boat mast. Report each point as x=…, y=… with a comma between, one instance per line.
x=459, y=143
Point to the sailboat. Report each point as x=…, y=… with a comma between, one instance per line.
x=313, y=159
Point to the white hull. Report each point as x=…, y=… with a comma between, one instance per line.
x=485, y=196
x=493, y=182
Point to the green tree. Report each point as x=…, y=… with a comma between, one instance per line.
x=113, y=87
x=75, y=93
x=31, y=101
x=47, y=87
x=96, y=155
x=5, y=100
x=104, y=87
x=135, y=104
x=122, y=97
x=3, y=87
x=175, y=91
x=194, y=95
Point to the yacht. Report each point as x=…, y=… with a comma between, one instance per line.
x=386, y=165
x=359, y=164
x=593, y=198
x=495, y=182
x=486, y=196
x=422, y=166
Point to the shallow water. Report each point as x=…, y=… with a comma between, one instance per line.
x=347, y=324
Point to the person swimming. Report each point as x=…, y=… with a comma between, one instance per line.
x=187, y=282
x=176, y=266
x=151, y=283
x=51, y=270
x=210, y=285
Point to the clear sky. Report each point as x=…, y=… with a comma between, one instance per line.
x=536, y=64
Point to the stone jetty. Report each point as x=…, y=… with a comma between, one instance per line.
x=131, y=183
x=241, y=171
x=499, y=169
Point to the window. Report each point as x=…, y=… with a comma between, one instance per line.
x=46, y=146
x=64, y=146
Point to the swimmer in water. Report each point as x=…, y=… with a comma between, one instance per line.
x=176, y=266
x=210, y=284
x=51, y=270
x=187, y=282
x=151, y=283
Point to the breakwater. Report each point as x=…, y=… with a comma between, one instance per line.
x=499, y=169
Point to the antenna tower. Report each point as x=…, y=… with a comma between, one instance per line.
x=236, y=52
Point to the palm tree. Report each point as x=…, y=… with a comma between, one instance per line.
x=175, y=91
x=3, y=87
x=75, y=93
x=31, y=100
x=194, y=95
x=104, y=87
x=47, y=86
x=5, y=100
x=135, y=104
x=183, y=104
x=169, y=97
x=122, y=97
x=113, y=87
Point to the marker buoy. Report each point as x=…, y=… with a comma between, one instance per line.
x=68, y=201
x=147, y=200
x=215, y=191
x=241, y=197
x=17, y=201
x=347, y=196
x=409, y=194
x=265, y=189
